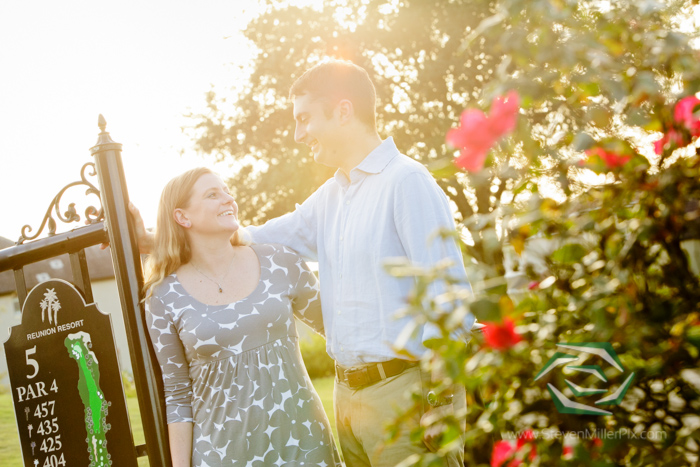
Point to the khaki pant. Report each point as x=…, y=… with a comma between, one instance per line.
x=361, y=416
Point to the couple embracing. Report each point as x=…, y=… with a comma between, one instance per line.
x=220, y=302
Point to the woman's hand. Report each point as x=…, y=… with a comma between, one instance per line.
x=144, y=238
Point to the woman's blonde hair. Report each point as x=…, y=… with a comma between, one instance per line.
x=171, y=247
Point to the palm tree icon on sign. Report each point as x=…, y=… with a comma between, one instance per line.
x=563, y=359
x=50, y=304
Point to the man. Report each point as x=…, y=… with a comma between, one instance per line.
x=380, y=204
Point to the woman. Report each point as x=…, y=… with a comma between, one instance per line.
x=220, y=315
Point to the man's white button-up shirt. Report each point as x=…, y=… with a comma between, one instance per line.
x=389, y=207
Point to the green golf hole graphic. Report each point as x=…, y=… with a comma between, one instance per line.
x=96, y=407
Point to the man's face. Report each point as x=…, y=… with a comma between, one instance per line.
x=316, y=129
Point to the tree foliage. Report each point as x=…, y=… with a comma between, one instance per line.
x=412, y=54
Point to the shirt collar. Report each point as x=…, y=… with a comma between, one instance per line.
x=374, y=163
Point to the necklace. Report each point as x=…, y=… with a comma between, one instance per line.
x=222, y=279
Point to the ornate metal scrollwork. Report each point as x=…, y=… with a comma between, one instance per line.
x=92, y=214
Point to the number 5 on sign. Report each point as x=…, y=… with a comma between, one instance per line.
x=32, y=362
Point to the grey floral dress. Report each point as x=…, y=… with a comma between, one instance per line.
x=236, y=370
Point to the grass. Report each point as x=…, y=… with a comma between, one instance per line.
x=11, y=456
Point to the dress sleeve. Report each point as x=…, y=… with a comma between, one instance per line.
x=420, y=210
x=306, y=298
x=173, y=362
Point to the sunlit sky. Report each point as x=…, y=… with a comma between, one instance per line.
x=144, y=65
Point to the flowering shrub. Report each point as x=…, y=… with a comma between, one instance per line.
x=576, y=218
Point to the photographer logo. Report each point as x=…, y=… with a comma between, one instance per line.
x=571, y=353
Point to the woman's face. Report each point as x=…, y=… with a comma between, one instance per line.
x=210, y=209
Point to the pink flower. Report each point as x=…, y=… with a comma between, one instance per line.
x=504, y=113
x=474, y=138
x=504, y=450
x=470, y=160
x=501, y=336
x=478, y=133
x=611, y=159
x=533, y=285
x=673, y=137
x=683, y=114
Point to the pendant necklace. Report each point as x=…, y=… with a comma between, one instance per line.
x=222, y=279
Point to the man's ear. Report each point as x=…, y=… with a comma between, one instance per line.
x=346, y=111
x=181, y=218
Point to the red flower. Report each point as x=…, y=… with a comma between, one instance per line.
x=533, y=285
x=597, y=442
x=683, y=114
x=477, y=133
x=525, y=436
x=501, y=336
x=568, y=452
x=671, y=137
x=504, y=450
x=611, y=159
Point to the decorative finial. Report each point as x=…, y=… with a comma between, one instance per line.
x=102, y=123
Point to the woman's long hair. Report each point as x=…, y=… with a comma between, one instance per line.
x=171, y=247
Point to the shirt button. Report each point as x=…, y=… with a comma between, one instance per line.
x=338, y=311
x=341, y=238
x=347, y=203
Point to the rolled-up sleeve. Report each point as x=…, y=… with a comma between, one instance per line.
x=173, y=362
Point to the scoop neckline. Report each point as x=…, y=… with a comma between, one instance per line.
x=260, y=274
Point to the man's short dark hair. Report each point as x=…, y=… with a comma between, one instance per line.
x=336, y=80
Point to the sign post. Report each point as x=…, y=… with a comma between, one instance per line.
x=63, y=369
x=66, y=383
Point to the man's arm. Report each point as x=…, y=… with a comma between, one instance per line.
x=421, y=210
x=297, y=230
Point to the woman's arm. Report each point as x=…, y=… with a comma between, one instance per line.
x=176, y=381
x=180, y=435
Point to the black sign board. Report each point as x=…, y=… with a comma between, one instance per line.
x=66, y=383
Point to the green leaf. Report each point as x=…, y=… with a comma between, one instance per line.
x=443, y=168
x=569, y=254
x=486, y=310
